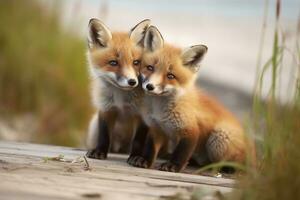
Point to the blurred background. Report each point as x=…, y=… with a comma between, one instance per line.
x=44, y=84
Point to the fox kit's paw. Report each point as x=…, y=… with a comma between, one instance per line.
x=169, y=167
x=139, y=161
x=97, y=154
x=132, y=159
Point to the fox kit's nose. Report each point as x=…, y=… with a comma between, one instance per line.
x=132, y=82
x=150, y=87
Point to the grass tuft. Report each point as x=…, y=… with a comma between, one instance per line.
x=43, y=71
x=278, y=174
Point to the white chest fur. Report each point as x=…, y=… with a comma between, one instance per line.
x=161, y=111
x=106, y=96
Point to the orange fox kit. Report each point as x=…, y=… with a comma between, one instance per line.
x=175, y=109
x=114, y=62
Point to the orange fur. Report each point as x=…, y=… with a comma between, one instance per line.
x=120, y=48
x=167, y=59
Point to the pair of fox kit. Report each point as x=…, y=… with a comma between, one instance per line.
x=150, y=84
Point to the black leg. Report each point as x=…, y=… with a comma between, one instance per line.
x=101, y=150
x=181, y=155
x=138, y=143
x=149, y=154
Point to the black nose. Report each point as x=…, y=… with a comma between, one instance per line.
x=150, y=87
x=131, y=82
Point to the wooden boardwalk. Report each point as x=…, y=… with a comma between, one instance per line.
x=33, y=171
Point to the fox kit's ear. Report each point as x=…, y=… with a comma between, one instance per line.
x=137, y=33
x=192, y=56
x=153, y=39
x=99, y=34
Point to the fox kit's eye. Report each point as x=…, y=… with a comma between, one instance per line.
x=136, y=62
x=170, y=76
x=113, y=62
x=150, y=68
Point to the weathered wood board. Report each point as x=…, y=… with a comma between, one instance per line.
x=28, y=171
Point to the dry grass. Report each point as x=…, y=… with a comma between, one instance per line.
x=277, y=126
x=278, y=174
x=43, y=71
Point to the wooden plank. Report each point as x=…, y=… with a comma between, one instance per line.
x=24, y=174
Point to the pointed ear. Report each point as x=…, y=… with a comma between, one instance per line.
x=99, y=34
x=153, y=39
x=192, y=56
x=137, y=33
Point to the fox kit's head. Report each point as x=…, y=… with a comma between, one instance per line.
x=115, y=57
x=165, y=69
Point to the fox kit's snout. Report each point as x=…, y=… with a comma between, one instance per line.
x=115, y=57
x=161, y=69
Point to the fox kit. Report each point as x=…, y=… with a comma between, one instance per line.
x=114, y=62
x=175, y=109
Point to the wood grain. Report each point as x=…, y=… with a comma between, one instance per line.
x=27, y=171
